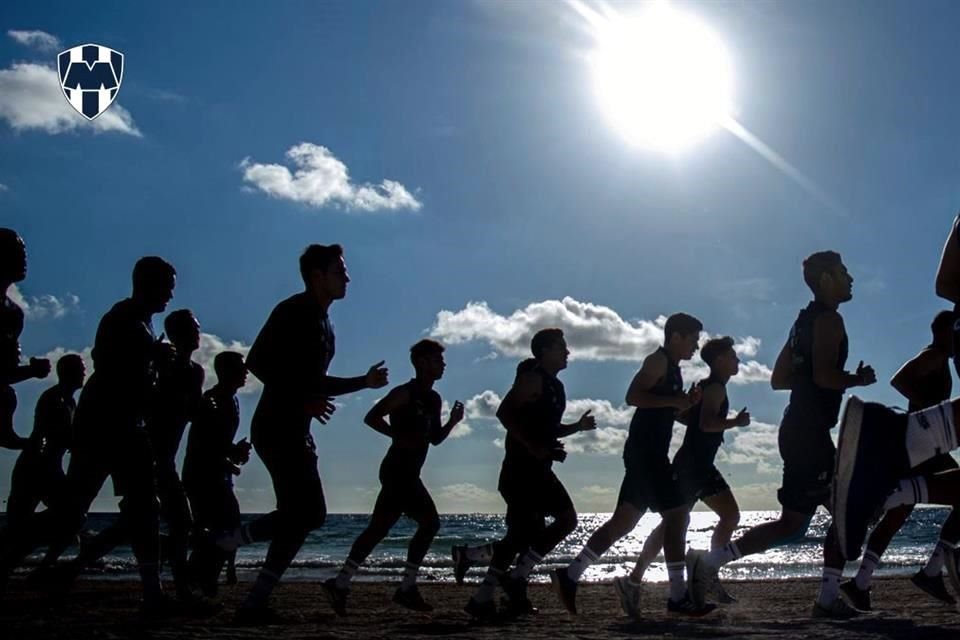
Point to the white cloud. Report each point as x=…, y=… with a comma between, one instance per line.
x=31, y=98
x=483, y=405
x=593, y=332
x=3, y=187
x=462, y=430
x=44, y=306
x=466, y=497
x=321, y=179
x=37, y=39
x=755, y=445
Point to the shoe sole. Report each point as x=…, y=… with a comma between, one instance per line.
x=847, y=445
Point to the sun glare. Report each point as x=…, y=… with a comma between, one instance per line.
x=662, y=77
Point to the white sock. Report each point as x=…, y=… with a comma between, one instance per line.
x=529, y=560
x=909, y=491
x=678, y=587
x=480, y=555
x=727, y=553
x=930, y=432
x=409, y=575
x=262, y=589
x=489, y=585
x=935, y=563
x=580, y=563
x=867, y=567
x=346, y=574
x=829, y=586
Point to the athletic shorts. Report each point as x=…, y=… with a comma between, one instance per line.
x=530, y=500
x=650, y=487
x=697, y=485
x=808, y=466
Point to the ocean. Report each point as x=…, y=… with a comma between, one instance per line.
x=326, y=549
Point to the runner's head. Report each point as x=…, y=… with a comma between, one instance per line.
x=13, y=257
x=681, y=334
x=324, y=272
x=427, y=359
x=183, y=329
x=942, y=328
x=550, y=349
x=230, y=369
x=153, y=282
x=720, y=356
x=71, y=371
x=828, y=278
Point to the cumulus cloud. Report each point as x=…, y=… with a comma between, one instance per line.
x=36, y=39
x=55, y=354
x=320, y=179
x=31, y=98
x=462, y=430
x=466, y=497
x=755, y=445
x=483, y=405
x=592, y=331
x=44, y=306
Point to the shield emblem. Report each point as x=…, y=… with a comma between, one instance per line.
x=90, y=76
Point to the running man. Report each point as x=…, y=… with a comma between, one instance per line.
x=694, y=469
x=212, y=460
x=38, y=473
x=415, y=424
x=290, y=356
x=658, y=395
x=811, y=365
x=13, y=269
x=531, y=412
x=924, y=381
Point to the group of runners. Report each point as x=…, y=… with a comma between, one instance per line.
x=132, y=414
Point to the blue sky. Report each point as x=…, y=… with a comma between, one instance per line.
x=512, y=202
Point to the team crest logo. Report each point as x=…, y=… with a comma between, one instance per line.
x=90, y=76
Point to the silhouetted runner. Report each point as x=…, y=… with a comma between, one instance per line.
x=290, y=356
x=211, y=462
x=694, y=469
x=811, y=365
x=657, y=393
x=38, y=473
x=415, y=423
x=531, y=412
x=13, y=269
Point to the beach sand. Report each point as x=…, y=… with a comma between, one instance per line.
x=777, y=609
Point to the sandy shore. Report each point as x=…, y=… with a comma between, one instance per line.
x=102, y=609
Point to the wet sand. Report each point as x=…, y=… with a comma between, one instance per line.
x=779, y=609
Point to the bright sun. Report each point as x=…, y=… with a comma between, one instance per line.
x=662, y=77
